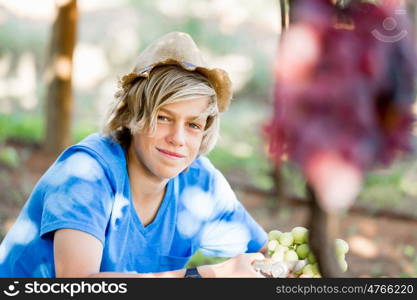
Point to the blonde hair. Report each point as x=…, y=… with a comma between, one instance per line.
x=137, y=109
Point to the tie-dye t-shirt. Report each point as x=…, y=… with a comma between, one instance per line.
x=88, y=189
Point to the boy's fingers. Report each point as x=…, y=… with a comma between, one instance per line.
x=256, y=256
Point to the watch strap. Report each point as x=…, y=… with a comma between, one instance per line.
x=192, y=273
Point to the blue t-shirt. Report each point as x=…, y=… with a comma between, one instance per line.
x=88, y=189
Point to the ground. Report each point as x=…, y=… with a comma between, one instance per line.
x=379, y=246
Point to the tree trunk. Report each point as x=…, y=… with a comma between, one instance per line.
x=323, y=230
x=59, y=77
x=323, y=227
x=411, y=8
x=285, y=14
x=284, y=7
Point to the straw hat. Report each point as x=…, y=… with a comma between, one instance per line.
x=178, y=48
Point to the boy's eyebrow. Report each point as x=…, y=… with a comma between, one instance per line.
x=192, y=118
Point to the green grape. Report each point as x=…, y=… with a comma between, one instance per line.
x=290, y=255
x=272, y=245
x=308, y=270
x=299, y=234
x=343, y=264
x=341, y=256
x=278, y=256
x=281, y=248
x=315, y=268
x=302, y=251
x=298, y=273
x=311, y=258
x=274, y=235
x=341, y=247
x=286, y=239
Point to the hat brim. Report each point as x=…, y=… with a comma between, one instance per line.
x=218, y=78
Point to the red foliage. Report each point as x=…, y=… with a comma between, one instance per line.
x=345, y=83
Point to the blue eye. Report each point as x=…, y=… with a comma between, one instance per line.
x=162, y=118
x=194, y=126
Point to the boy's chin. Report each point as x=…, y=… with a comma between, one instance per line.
x=171, y=174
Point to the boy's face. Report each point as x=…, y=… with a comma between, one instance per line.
x=176, y=142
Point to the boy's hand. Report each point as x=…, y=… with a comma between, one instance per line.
x=278, y=269
x=238, y=266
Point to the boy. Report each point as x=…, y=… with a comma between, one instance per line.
x=140, y=199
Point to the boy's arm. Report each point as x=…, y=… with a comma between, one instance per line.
x=78, y=254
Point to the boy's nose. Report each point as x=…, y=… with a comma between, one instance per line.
x=177, y=136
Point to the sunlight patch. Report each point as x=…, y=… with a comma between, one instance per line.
x=83, y=166
x=188, y=225
x=120, y=202
x=225, y=239
x=205, y=163
x=58, y=203
x=23, y=232
x=80, y=165
x=4, y=248
x=224, y=193
x=364, y=247
x=199, y=203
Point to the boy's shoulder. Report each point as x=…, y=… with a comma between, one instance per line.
x=96, y=152
x=99, y=146
x=203, y=163
x=201, y=172
x=102, y=144
x=202, y=166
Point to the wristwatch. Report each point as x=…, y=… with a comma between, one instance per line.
x=192, y=273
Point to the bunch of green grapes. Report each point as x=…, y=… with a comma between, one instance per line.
x=293, y=245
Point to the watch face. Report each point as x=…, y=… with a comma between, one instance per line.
x=192, y=273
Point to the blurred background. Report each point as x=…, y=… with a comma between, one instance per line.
x=240, y=36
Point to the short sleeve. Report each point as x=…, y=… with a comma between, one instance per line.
x=231, y=230
x=77, y=195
